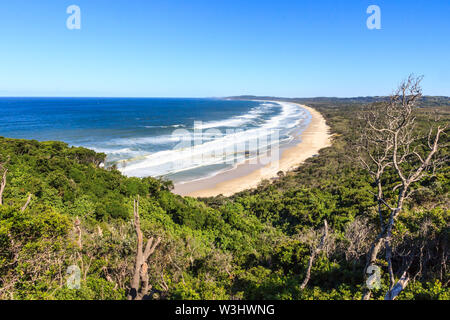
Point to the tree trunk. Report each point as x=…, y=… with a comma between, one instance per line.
x=397, y=288
x=78, y=230
x=135, y=282
x=140, y=275
x=372, y=259
x=2, y=186
x=314, y=253
x=26, y=203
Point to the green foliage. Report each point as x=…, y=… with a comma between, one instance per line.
x=91, y=289
x=426, y=291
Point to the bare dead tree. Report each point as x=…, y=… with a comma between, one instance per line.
x=25, y=206
x=77, y=225
x=390, y=141
x=3, y=185
x=314, y=253
x=140, y=282
x=358, y=235
x=3, y=172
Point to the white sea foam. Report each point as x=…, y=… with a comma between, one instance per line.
x=215, y=147
x=111, y=151
x=157, y=140
x=170, y=126
x=241, y=120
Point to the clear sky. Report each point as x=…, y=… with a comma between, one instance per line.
x=204, y=48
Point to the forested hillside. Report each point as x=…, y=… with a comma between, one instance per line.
x=303, y=236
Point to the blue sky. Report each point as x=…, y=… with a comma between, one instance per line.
x=168, y=48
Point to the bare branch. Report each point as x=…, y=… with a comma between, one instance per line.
x=397, y=288
x=314, y=253
x=140, y=275
x=78, y=231
x=389, y=139
x=27, y=203
x=2, y=186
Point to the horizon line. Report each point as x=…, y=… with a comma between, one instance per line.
x=224, y=97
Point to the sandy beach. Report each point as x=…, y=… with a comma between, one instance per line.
x=247, y=176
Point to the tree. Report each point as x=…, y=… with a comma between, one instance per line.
x=4, y=172
x=139, y=283
x=25, y=206
x=314, y=252
x=391, y=146
x=3, y=185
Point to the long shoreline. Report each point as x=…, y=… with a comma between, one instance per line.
x=313, y=138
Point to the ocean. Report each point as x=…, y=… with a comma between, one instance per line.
x=177, y=139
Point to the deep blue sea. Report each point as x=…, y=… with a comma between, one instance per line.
x=181, y=139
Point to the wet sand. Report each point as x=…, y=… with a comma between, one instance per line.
x=248, y=175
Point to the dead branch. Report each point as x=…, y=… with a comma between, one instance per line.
x=140, y=282
x=314, y=253
x=78, y=231
x=397, y=288
x=2, y=186
x=27, y=203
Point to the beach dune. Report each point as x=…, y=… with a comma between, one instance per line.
x=315, y=137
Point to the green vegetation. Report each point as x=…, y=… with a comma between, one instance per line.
x=254, y=245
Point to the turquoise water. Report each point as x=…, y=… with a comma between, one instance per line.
x=181, y=139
